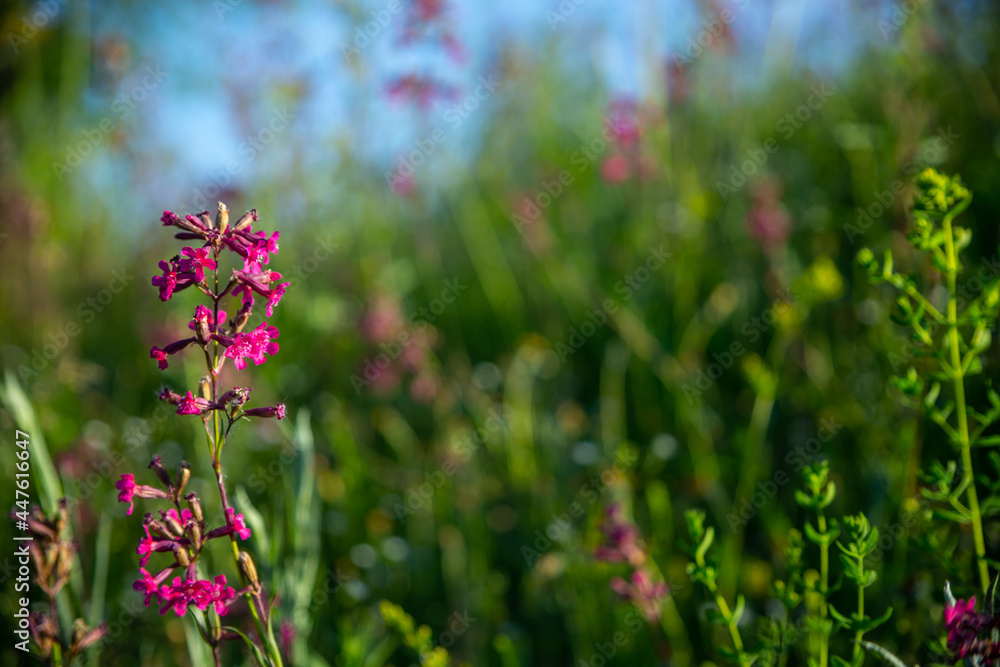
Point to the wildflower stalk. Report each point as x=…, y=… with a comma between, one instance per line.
x=818, y=495
x=702, y=569
x=957, y=371
x=183, y=531
x=862, y=542
x=938, y=202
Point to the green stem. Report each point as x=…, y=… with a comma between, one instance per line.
x=859, y=635
x=958, y=374
x=824, y=584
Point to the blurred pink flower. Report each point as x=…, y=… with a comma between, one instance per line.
x=615, y=169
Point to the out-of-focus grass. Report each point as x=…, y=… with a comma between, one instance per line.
x=325, y=512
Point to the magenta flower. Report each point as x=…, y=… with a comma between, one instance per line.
x=254, y=345
x=268, y=245
x=160, y=356
x=166, y=282
x=150, y=585
x=222, y=595
x=127, y=487
x=965, y=626
x=188, y=405
x=275, y=298
x=199, y=260
x=178, y=596
x=238, y=524
x=147, y=545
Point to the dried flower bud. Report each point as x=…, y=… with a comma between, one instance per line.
x=246, y=220
x=194, y=531
x=195, y=507
x=241, y=318
x=174, y=528
x=183, y=476
x=182, y=555
x=222, y=218
x=205, y=388
x=156, y=465
x=85, y=636
x=248, y=569
x=268, y=412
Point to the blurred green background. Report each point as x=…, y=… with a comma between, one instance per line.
x=454, y=177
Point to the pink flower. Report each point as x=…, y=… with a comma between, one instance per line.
x=616, y=169
x=254, y=345
x=178, y=596
x=642, y=592
x=222, y=595
x=160, y=356
x=188, y=405
x=198, y=260
x=127, y=487
x=147, y=545
x=621, y=543
x=268, y=245
x=148, y=585
x=238, y=524
x=275, y=298
x=166, y=282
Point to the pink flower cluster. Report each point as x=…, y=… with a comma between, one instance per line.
x=201, y=593
x=626, y=157
x=971, y=634
x=209, y=324
x=622, y=544
x=179, y=531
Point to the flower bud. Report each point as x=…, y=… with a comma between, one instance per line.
x=183, y=475
x=195, y=507
x=182, y=555
x=242, y=317
x=194, y=531
x=156, y=465
x=175, y=528
x=248, y=569
x=205, y=388
x=222, y=218
x=268, y=412
x=246, y=220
